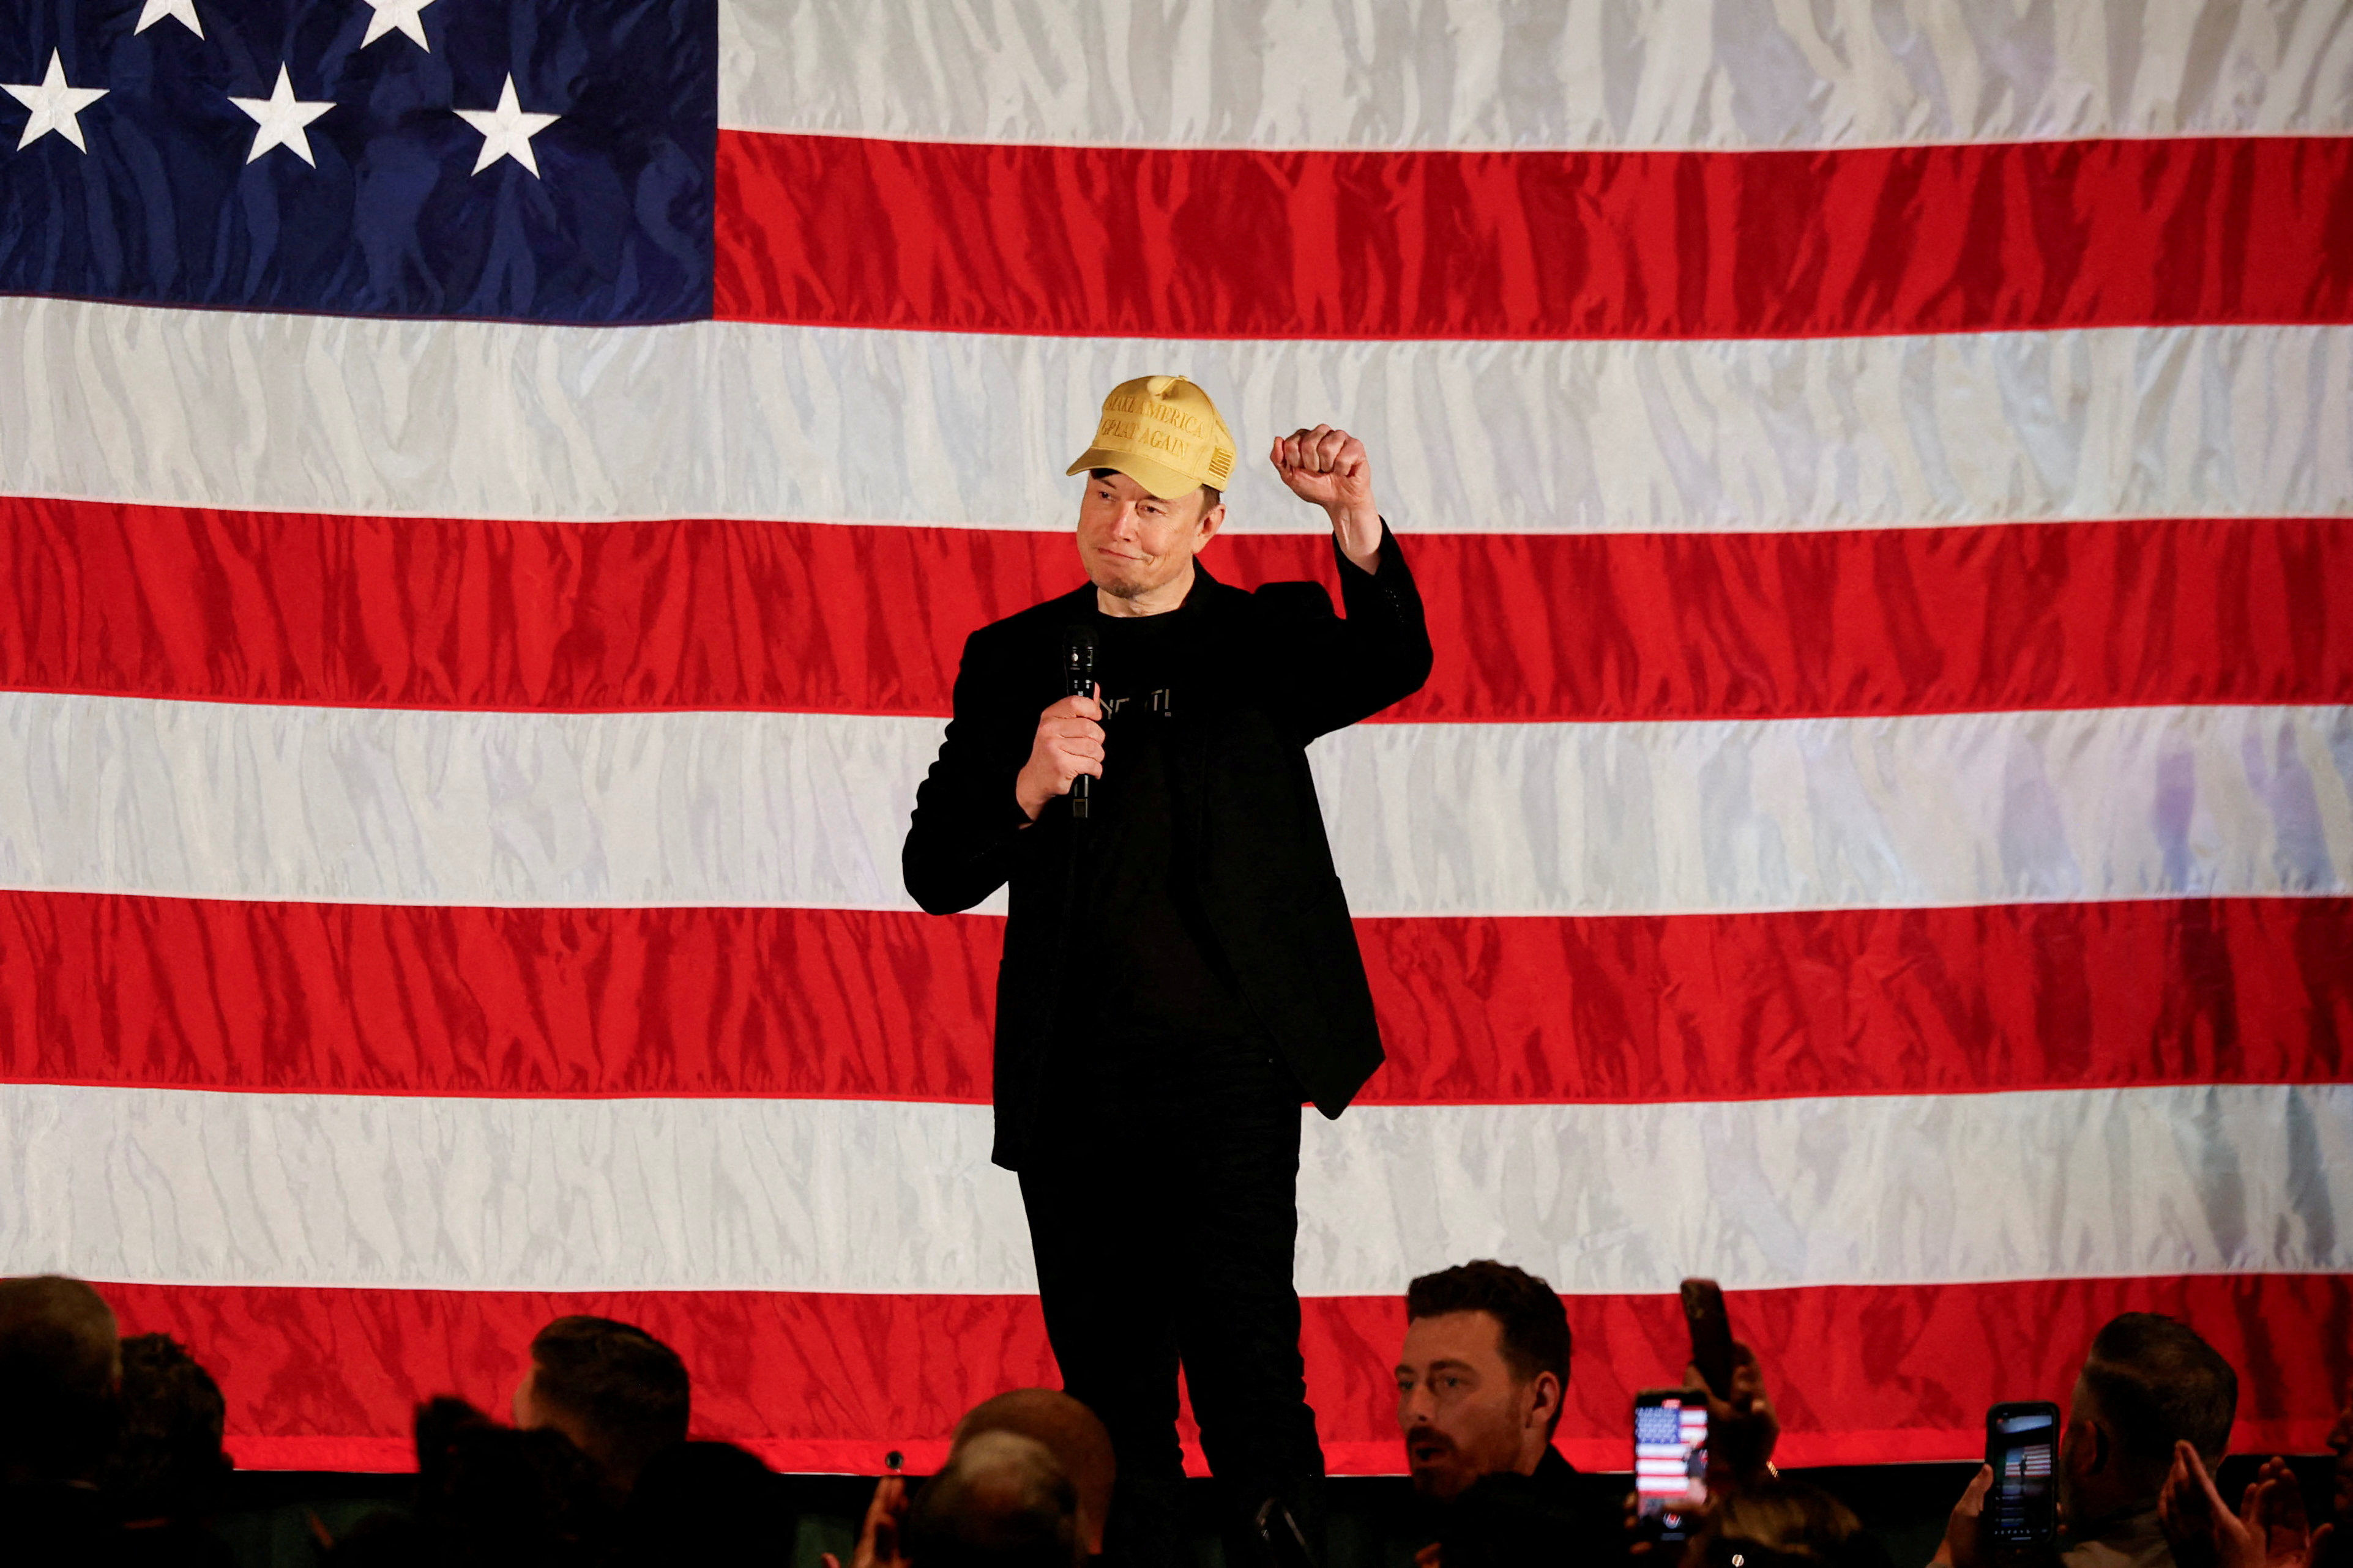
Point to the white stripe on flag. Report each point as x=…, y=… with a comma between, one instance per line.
x=1567, y=73
x=376, y=805
x=200, y=1187
x=730, y=420
x=1962, y=808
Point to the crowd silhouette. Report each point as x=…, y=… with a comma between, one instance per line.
x=113, y=1454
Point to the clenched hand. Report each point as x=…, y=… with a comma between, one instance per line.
x=1070, y=742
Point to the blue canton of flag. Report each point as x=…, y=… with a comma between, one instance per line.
x=535, y=160
x=1658, y=1423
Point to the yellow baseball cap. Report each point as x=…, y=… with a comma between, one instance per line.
x=1163, y=433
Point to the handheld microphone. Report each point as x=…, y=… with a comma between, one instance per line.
x=1078, y=680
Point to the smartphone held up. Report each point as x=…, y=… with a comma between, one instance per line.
x=2022, y=1446
x=1670, y=1462
x=1671, y=1424
x=1711, y=1334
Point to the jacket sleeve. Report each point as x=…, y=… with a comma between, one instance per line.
x=965, y=837
x=1351, y=669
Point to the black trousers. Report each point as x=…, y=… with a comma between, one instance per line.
x=1163, y=1212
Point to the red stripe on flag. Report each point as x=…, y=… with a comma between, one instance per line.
x=318, y=1378
x=2007, y=997
x=308, y=609
x=1108, y=241
x=373, y=999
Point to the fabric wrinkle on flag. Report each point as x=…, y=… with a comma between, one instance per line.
x=492, y=496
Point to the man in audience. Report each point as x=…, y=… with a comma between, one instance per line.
x=61, y=1363
x=1480, y=1383
x=2148, y=1384
x=619, y=1394
x=163, y=1477
x=1000, y=1501
x=1066, y=1428
x=1077, y=1441
x=488, y=1497
x=622, y=1396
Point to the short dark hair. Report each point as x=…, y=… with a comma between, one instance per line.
x=1533, y=1324
x=167, y=1461
x=1212, y=491
x=2157, y=1383
x=627, y=1387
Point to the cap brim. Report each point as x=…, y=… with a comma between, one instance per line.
x=1159, y=477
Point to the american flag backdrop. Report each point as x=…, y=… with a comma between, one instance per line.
x=495, y=491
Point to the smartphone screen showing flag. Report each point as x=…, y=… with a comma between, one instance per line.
x=1670, y=1455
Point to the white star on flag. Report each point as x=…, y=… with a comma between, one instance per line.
x=507, y=131
x=281, y=117
x=402, y=15
x=54, y=105
x=181, y=11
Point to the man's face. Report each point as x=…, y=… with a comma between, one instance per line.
x=1132, y=543
x=1462, y=1411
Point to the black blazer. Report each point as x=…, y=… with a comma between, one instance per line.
x=1285, y=669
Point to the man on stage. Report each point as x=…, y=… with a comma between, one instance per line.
x=1179, y=969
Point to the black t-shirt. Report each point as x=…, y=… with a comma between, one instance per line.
x=1146, y=964
x=1554, y=1516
